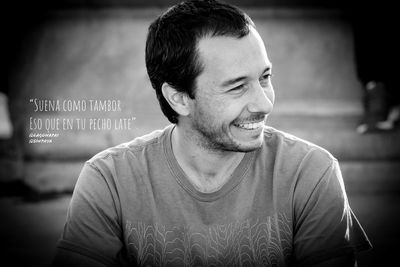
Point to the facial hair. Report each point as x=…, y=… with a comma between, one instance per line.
x=209, y=135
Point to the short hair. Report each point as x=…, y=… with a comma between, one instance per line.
x=171, y=45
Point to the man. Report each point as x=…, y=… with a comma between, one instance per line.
x=218, y=187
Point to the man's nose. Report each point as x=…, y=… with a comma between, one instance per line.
x=262, y=100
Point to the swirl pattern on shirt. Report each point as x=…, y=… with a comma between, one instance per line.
x=247, y=243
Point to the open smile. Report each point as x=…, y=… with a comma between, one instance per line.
x=250, y=125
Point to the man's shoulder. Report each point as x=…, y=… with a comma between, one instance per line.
x=297, y=163
x=293, y=146
x=134, y=146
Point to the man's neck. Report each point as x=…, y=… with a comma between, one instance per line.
x=208, y=170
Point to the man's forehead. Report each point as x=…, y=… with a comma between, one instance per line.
x=226, y=54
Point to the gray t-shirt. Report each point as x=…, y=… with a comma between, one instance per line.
x=285, y=203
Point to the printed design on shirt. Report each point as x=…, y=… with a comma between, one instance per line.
x=247, y=243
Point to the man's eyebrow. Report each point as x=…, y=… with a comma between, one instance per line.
x=267, y=69
x=241, y=78
x=233, y=81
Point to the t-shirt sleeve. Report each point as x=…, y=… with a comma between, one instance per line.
x=325, y=227
x=92, y=228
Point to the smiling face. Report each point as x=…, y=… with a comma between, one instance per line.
x=233, y=94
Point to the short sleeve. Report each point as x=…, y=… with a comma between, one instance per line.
x=92, y=228
x=325, y=227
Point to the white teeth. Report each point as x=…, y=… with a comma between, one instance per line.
x=251, y=126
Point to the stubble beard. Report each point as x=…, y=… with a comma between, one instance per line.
x=215, y=138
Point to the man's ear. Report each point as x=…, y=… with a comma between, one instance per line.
x=178, y=101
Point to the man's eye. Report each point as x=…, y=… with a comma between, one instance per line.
x=237, y=88
x=265, y=79
x=266, y=76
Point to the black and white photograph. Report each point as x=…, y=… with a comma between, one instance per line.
x=200, y=133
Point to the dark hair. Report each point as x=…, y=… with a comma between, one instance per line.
x=171, y=45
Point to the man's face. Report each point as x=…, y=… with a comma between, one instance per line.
x=233, y=94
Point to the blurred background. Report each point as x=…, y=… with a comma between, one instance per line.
x=81, y=50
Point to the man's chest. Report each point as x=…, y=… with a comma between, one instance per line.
x=252, y=242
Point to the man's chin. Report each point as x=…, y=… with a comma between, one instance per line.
x=248, y=146
x=249, y=143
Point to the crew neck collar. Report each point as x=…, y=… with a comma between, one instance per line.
x=182, y=179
